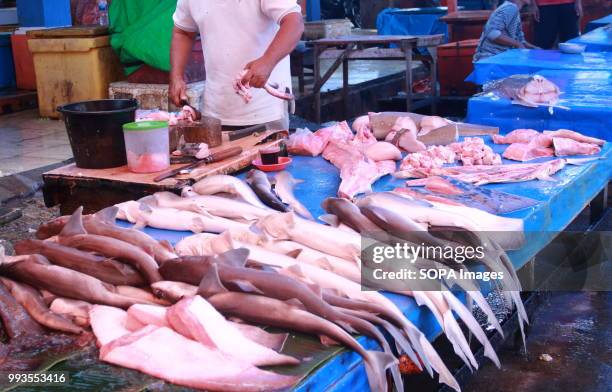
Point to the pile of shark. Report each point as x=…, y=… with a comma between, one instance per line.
x=257, y=257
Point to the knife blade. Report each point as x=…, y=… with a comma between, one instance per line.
x=214, y=157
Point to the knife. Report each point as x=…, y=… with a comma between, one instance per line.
x=214, y=157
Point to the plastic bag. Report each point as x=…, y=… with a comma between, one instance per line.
x=304, y=142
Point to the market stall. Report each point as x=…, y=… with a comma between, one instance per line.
x=601, y=22
x=597, y=40
x=584, y=105
x=526, y=61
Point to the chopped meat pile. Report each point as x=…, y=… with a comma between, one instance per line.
x=474, y=151
x=434, y=156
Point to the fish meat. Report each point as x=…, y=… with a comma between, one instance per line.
x=485, y=174
x=227, y=184
x=305, y=142
x=358, y=178
x=31, y=300
x=103, y=223
x=404, y=134
x=566, y=133
x=508, y=232
x=106, y=269
x=429, y=123
x=565, y=146
x=284, y=189
x=339, y=132
x=36, y=271
x=196, y=319
x=172, y=219
x=448, y=189
x=156, y=315
x=173, y=291
x=526, y=90
x=163, y=353
x=15, y=320
x=348, y=213
x=260, y=184
x=74, y=235
x=327, y=239
x=539, y=146
x=108, y=323
x=211, y=205
x=75, y=310
x=474, y=151
x=383, y=151
x=516, y=136
x=277, y=313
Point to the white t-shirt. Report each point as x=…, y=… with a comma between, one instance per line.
x=235, y=32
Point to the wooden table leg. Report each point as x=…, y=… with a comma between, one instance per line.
x=434, y=79
x=316, y=89
x=407, y=48
x=345, y=86
x=599, y=204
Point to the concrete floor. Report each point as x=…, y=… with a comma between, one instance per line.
x=574, y=329
x=28, y=142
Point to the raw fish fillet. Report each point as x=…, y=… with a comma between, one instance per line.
x=441, y=185
x=565, y=146
x=195, y=318
x=163, y=353
x=358, y=177
x=484, y=174
x=516, y=136
x=108, y=323
x=382, y=151
x=539, y=146
x=304, y=142
x=575, y=136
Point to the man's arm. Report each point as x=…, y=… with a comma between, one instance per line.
x=287, y=37
x=180, y=50
x=504, y=40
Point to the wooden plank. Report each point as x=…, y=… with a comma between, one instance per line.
x=365, y=54
x=74, y=32
x=366, y=39
x=123, y=175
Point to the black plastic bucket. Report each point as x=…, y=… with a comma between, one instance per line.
x=95, y=131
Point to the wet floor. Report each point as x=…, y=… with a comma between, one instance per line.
x=574, y=329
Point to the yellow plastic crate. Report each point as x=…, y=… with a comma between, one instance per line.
x=73, y=69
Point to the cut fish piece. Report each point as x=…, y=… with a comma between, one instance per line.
x=163, y=353
x=565, y=146
x=195, y=318
x=516, y=136
x=108, y=323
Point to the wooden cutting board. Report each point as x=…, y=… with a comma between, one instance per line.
x=227, y=166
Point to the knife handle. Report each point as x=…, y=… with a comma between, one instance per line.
x=224, y=154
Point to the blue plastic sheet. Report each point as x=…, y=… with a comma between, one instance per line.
x=598, y=40
x=560, y=203
x=529, y=61
x=601, y=22
x=413, y=21
x=587, y=94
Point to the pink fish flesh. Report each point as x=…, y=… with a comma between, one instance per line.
x=163, y=353
x=516, y=136
x=564, y=146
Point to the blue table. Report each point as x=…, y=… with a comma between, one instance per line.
x=598, y=40
x=412, y=21
x=587, y=94
x=529, y=61
x=560, y=203
x=606, y=20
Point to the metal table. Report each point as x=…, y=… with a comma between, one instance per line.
x=368, y=47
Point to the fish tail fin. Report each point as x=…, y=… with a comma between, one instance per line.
x=445, y=376
x=376, y=364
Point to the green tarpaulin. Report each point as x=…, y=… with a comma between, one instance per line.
x=141, y=32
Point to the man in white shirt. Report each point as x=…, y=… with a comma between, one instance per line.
x=256, y=35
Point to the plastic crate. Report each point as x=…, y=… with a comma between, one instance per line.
x=71, y=69
x=46, y=13
x=454, y=65
x=7, y=67
x=24, y=63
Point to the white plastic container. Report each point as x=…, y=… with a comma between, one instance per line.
x=147, y=146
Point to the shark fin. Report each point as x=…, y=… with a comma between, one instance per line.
x=211, y=283
x=234, y=257
x=74, y=226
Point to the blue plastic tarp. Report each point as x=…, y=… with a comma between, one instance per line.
x=606, y=20
x=413, y=21
x=598, y=40
x=560, y=203
x=587, y=94
x=529, y=61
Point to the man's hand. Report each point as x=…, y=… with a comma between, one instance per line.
x=578, y=8
x=177, y=90
x=257, y=72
